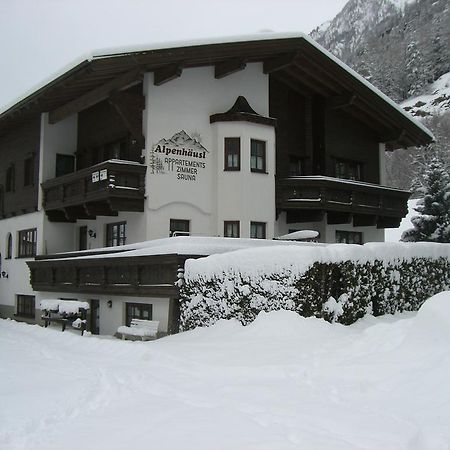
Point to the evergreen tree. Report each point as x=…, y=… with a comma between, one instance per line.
x=433, y=222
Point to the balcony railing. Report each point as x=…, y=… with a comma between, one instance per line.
x=103, y=189
x=115, y=275
x=338, y=195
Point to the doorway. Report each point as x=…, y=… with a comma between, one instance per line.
x=94, y=325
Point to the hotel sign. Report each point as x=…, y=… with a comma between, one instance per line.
x=180, y=155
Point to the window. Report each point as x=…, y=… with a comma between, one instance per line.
x=232, y=147
x=179, y=227
x=349, y=170
x=115, y=234
x=349, y=237
x=138, y=311
x=257, y=156
x=231, y=228
x=28, y=171
x=64, y=164
x=295, y=166
x=25, y=306
x=82, y=238
x=257, y=230
x=27, y=243
x=10, y=179
x=9, y=246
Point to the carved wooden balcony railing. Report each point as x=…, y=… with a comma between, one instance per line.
x=369, y=203
x=103, y=189
x=119, y=275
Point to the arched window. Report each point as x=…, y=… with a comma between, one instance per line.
x=9, y=246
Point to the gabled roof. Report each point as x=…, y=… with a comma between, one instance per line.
x=295, y=59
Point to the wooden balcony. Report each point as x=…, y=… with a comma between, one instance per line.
x=307, y=198
x=103, y=189
x=153, y=275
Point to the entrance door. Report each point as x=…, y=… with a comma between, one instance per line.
x=82, y=238
x=95, y=317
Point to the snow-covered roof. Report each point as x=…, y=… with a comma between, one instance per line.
x=255, y=43
x=181, y=245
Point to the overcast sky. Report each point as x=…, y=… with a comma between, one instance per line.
x=40, y=37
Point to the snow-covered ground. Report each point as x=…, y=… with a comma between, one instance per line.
x=283, y=382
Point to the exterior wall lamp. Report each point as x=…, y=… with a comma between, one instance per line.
x=109, y=303
x=92, y=234
x=4, y=274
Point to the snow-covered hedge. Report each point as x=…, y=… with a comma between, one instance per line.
x=337, y=282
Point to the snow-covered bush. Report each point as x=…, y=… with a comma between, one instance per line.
x=322, y=282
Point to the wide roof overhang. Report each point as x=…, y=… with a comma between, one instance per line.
x=294, y=59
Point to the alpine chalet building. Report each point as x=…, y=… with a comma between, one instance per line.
x=251, y=137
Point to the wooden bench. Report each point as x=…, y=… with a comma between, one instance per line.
x=145, y=329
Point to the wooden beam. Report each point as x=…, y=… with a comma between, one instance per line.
x=309, y=81
x=364, y=220
x=228, y=67
x=397, y=136
x=94, y=96
x=286, y=79
x=129, y=106
x=99, y=209
x=278, y=63
x=167, y=73
x=342, y=101
x=338, y=218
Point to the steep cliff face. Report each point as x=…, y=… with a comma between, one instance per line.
x=401, y=46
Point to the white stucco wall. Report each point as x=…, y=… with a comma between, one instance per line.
x=244, y=195
x=18, y=281
x=186, y=104
x=112, y=318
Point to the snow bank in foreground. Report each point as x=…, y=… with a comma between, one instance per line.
x=282, y=382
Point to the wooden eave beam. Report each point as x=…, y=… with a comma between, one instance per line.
x=278, y=63
x=166, y=74
x=342, y=101
x=286, y=79
x=129, y=107
x=228, y=67
x=368, y=120
x=319, y=74
x=371, y=99
x=94, y=96
x=309, y=82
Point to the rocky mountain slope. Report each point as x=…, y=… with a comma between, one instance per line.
x=401, y=46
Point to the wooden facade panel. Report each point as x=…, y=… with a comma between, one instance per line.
x=17, y=146
x=351, y=140
x=289, y=108
x=327, y=194
x=108, y=129
x=147, y=275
